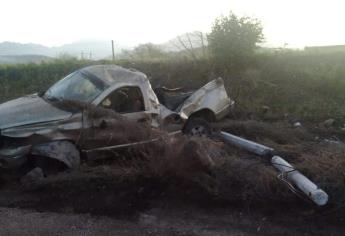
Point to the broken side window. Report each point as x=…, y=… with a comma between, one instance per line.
x=125, y=100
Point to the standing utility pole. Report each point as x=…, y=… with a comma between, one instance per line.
x=112, y=46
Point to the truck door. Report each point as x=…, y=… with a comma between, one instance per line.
x=129, y=102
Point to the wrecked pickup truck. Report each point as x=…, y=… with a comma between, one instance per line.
x=73, y=115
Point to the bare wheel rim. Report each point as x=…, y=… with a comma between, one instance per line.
x=198, y=130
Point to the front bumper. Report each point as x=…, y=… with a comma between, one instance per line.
x=11, y=157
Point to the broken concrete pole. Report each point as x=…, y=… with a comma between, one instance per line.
x=316, y=194
x=245, y=144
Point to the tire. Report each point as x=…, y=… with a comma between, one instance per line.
x=49, y=165
x=197, y=127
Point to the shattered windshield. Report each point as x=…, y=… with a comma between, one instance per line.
x=78, y=86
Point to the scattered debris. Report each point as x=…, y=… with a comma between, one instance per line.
x=329, y=123
x=265, y=109
x=332, y=140
x=297, y=125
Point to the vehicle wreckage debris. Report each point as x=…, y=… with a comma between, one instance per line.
x=288, y=172
x=98, y=108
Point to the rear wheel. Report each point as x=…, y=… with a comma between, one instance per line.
x=198, y=127
x=49, y=166
x=40, y=167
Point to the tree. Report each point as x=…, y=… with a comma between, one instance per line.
x=233, y=40
x=145, y=52
x=192, y=44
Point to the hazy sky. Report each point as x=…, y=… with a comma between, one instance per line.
x=55, y=22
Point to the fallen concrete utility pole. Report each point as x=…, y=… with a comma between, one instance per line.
x=303, y=183
x=318, y=196
x=245, y=144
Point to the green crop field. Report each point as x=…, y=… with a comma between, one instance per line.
x=300, y=84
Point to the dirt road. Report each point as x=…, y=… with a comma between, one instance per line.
x=166, y=219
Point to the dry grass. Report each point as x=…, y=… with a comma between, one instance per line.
x=223, y=171
x=234, y=175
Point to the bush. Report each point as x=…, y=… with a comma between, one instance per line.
x=233, y=41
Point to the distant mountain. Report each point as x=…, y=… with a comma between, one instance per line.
x=86, y=49
x=23, y=59
x=11, y=48
x=11, y=52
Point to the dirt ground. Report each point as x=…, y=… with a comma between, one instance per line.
x=164, y=218
x=120, y=200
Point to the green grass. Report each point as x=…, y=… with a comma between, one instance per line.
x=23, y=79
x=305, y=85
x=310, y=86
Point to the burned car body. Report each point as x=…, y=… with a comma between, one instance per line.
x=75, y=113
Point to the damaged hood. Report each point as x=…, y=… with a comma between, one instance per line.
x=28, y=110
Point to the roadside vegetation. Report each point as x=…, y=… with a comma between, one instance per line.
x=294, y=84
x=270, y=84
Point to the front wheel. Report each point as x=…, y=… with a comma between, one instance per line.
x=197, y=127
